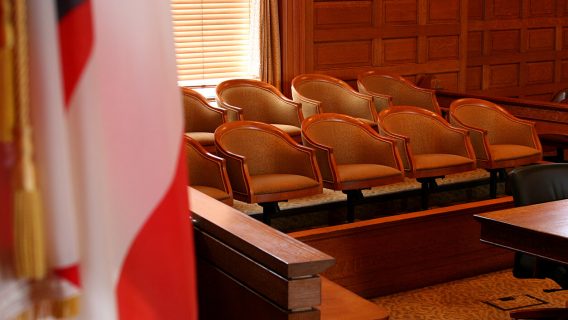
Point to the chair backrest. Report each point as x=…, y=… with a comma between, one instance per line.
x=498, y=122
x=402, y=91
x=425, y=129
x=266, y=149
x=199, y=115
x=539, y=183
x=346, y=135
x=258, y=101
x=333, y=95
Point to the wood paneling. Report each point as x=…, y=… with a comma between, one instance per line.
x=344, y=38
x=386, y=255
x=477, y=46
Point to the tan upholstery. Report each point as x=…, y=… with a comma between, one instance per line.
x=429, y=146
x=320, y=93
x=259, y=101
x=207, y=172
x=352, y=156
x=201, y=118
x=500, y=140
x=382, y=85
x=265, y=165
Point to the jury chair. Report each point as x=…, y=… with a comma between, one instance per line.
x=430, y=148
x=254, y=100
x=201, y=118
x=531, y=185
x=351, y=155
x=207, y=173
x=402, y=92
x=266, y=166
x=500, y=140
x=319, y=93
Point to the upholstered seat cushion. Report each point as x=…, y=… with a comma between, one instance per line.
x=204, y=138
x=213, y=192
x=365, y=171
x=502, y=152
x=293, y=131
x=274, y=183
x=439, y=160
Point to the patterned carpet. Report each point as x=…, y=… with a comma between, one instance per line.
x=471, y=298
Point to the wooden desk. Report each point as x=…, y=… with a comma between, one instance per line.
x=540, y=229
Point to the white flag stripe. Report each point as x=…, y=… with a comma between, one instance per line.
x=51, y=135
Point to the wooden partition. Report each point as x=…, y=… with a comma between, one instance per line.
x=408, y=251
x=247, y=270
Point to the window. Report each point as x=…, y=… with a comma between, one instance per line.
x=214, y=41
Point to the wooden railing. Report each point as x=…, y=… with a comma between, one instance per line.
x=247, y=270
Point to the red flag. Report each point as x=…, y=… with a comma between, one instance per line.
x=107, y=101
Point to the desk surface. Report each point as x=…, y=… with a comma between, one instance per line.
x=540, y=229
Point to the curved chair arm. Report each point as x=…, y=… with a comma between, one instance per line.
x=309, y=106
x=212, y=169
x=325, y=159
x=237, y=170
x=381, y=101
x=199, y=115
x=478, y=138
x=457, y=139
x=402, y=91
x=403, y=146
x=234, y=113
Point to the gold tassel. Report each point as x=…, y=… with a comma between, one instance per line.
x=30, y=261
x=67, y=308
x=7, y=105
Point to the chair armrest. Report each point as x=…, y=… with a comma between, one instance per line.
x=200, y=116
x=234, y=113
x=238, y=172
x=355, y=104
x=513, y=130
x=478, y=138
x=212, y=173
x=403, y=147
x=309, y=106
x=325, y=159
x=457, y=141
x=383, y=150
x=286, y=111
x=309, y=167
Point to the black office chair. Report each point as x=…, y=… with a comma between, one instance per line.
x=531, y=185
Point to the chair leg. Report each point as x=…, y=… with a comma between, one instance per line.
x=427, y=184
x=492, y=184
x=268, y=210
x=495, y=174
x=353, y=196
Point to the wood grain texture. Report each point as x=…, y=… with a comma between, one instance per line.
x=408, y=251
x=512, y=48
x=539, y=229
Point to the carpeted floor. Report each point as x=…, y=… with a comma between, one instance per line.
x=474, y=298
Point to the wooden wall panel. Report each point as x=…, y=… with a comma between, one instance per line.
x=407, y=37
x=511, y=48
x=522, y=39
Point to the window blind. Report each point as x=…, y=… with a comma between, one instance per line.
x=213, y=40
